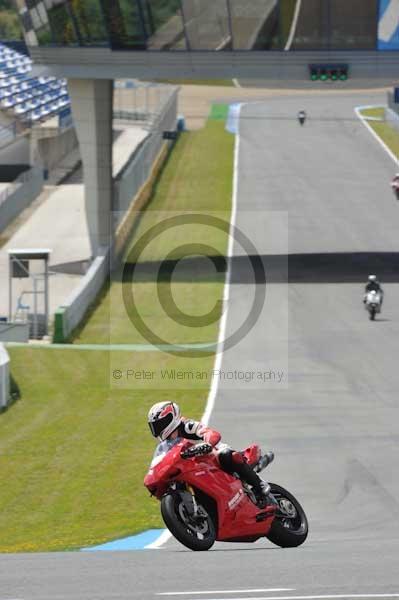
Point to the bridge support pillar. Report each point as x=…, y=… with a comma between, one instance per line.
x=92, y=101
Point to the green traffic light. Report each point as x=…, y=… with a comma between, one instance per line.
x=343, y=77
x=323, y=77
x=314, y=77
x=334, y=77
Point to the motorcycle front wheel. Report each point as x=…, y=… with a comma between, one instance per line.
x=197, y=533
x=290, y=526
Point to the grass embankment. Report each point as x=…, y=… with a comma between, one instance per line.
x=287, y=11
x=388, y=134
x=197, y=178
x=74, y=449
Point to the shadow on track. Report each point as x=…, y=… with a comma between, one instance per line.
x=335, y=267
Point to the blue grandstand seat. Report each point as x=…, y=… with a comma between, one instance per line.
x=32, y=99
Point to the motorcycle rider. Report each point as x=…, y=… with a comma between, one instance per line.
x=301, y=116
x=373, y=285
x=167, y=423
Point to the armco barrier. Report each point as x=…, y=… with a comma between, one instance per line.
x=4, y=377
x=20, y=194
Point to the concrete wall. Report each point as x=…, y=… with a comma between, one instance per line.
x=14, y=332
x=4, y=377
x=71, y=314
x=19, y=195
x=16, y=153
x=50, y=147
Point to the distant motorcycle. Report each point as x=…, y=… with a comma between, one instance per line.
x=395, y=187
x=301, y=117
x=373, y=304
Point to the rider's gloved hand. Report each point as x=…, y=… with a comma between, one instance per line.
x=204, y=448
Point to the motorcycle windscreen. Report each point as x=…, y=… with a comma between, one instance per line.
x=162, y=449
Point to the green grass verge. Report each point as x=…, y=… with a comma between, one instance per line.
x=388, y=134
x=73, y=452
x=74, y=448
x=197, y=177
x=287, y=10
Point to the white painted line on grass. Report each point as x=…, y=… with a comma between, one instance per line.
x=166, y=535
x=363, y=119
x=226, y=592
x=293, y=24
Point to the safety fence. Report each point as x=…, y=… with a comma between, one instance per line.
x=140, y=101
x=19, y=194
x=4, y=377
x=139, y=167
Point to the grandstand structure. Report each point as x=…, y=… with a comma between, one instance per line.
x=92, y=43
x=29, y=99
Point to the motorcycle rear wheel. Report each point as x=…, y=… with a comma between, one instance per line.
x=198, y=535
x=288, y=532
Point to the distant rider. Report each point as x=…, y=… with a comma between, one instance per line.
x=301, y=116
x=373, y=285
x=166, y=423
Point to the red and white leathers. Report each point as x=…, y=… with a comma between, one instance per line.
x=230, y=460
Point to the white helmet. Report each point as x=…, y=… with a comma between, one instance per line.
x=163, y=419
x=372, y=277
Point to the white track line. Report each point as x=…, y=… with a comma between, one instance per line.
x=236, y=82
x=163, y=538
x=373, y=133
x=166, y=535
x=293, y=24
x=318, y=597
x=225, y=592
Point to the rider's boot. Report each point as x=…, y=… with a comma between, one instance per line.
x=260, y=488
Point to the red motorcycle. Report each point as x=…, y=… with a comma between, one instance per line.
x=200, y=503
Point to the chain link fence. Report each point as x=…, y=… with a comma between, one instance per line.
x=136, y=173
